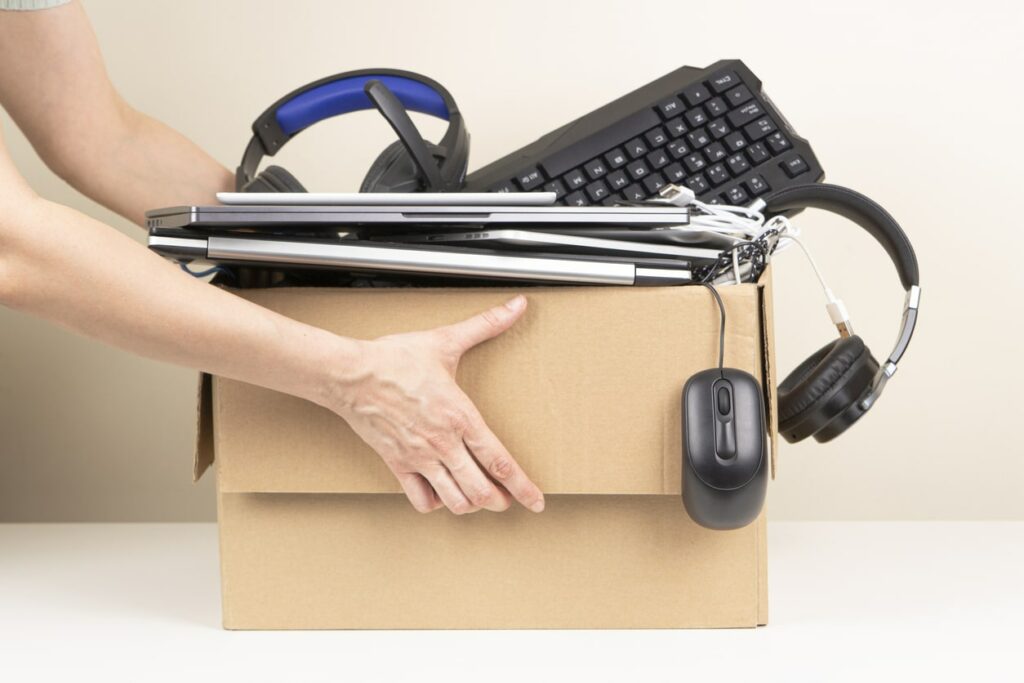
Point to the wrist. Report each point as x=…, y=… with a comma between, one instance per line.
x=338, y=367
x=309, y=362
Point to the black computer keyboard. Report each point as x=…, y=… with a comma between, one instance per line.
x=712, y=130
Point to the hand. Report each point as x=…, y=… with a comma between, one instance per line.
x=404, y=402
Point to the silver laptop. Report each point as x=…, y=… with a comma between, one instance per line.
x=353, y=255
x=553, y=241
x=389, y=198
x=410, y=218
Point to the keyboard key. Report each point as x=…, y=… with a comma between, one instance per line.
x=656, y=137
x=722, y=82
x=738, y=96
x=563, y=160
x=657, y=158
x=530, y=178
x=617, y=180
x=675, y=127
x=616, y=158
x=610, y=200
x=595, y=168
x=637, y=170
x=597, y=190
x=654, y=182
x=636, y=148
x=736, y=196
x=757, y=153
x=735, y=141
x=738, y=164
x=757, y=185
x=715, y=152
x=696, y=94
x=777, y=142
x=696, y=118
x=758, y=129
x=674, y=173
x=677, y=149
x=557, y=187
x=698, y=138
x=698, y=184
x=634, y=193
x=506, y=186
x=716, y=107
x=717, y=174
x=670, y=107
x=577, y=198
x=794, y=166
x=694, y=163
x=719, y=129
x=575, y=179
x=745, y=114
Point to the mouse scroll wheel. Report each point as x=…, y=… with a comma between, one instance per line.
x=724, y=401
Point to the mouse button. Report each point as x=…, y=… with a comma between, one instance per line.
x=724, y=400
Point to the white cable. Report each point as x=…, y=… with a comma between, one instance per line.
x=735, y=222
x=814, y=264
x=835, y=307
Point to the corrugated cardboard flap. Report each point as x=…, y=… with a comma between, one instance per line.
x=584, y=391
x=768, y=365
x=204, y=427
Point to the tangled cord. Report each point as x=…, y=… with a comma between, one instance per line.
x=754, y=236
x=755, y=254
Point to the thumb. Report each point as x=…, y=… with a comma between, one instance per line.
x=486, y=325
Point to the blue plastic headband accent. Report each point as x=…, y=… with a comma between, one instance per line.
x=347, y=95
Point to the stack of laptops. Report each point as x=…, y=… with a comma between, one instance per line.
x=494, y=237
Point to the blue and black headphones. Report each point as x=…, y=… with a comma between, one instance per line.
x=409, y=165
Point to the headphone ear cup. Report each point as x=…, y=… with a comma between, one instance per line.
x=274, y=179
x=395, y=171
x=821, y=397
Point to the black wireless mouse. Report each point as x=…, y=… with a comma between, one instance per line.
x=725, y=472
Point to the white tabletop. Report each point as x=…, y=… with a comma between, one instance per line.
x=847, y=601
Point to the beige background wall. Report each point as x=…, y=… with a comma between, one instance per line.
x=914, y=104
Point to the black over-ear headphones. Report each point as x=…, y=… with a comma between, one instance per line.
x=841, y=381
x=724, y=452
x=409, y=165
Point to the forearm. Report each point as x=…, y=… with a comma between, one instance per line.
x=66, y=267
x=132, y=163
x=55, y=86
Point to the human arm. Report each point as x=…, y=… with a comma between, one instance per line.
x=398, y=392
x=54, y=84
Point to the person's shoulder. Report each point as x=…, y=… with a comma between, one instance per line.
x=30, y=5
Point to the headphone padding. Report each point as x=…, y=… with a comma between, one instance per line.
x=274, y=179
x=823, y=387
x=394, y=170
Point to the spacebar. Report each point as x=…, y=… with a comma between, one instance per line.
x=600, y=142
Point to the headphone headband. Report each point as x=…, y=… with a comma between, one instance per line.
x=858, y=208
x=344, y=93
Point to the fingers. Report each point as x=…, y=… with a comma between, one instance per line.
x=475, y=486
x=500, y=465
x=418, y=491
x=448, y=491
x=486, y=325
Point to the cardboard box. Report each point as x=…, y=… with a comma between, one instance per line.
x=585, y=391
